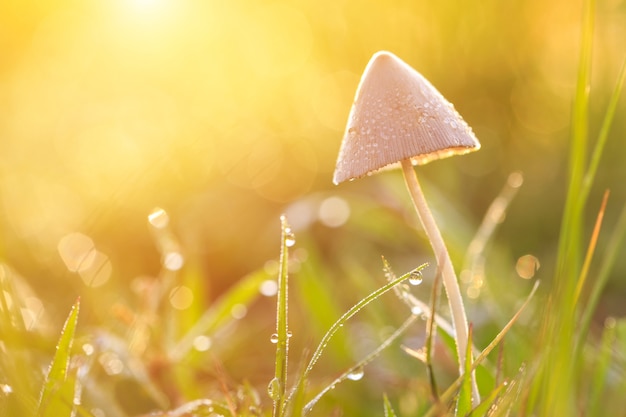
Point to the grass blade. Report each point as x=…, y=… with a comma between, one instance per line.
x=464, y=399
x=602, y=368
x=358, y=367
x=557, y=374
x=449, y=393
x=568, y=260
x=278, y=385
x=591, y=249
x=58, y=372
x=610, y=256
x=620, y=229
x=474, y=263
x=387, y=407
x=483, y=408
x=355, y=309
x=349, y=314
x=603, y=136
x=431, y=332
x=243, y=292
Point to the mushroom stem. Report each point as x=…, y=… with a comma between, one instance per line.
x=450, y=283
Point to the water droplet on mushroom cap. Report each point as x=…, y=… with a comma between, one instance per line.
x=397, y=114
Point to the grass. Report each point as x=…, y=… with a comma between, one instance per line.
x=155, y=359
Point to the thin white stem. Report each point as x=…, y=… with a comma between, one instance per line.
x=450, y=283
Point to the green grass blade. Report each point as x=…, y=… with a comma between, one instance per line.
x=431, y=332
x=349, y=314
x=602, y=364
x=610, y=256
x=483, y=408
x=387, y=407
x=451, y=390
x=591, y=248
x=510, y=398
x=278, y=385
x=464, y=399
x=242, y=293
x=603, y=136
x=568, y=261
x=55, y=382
x=358, y=367
x=557, y=373
x=617, y=236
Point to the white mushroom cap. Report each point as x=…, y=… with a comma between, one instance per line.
x=397, y=114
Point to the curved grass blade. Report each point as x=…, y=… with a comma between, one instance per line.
x=348, y=315
x=55, y=381
x=358, y=367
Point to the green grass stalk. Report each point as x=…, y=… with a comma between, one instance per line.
x=278, y=385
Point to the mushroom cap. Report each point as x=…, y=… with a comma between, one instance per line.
x=396, y=115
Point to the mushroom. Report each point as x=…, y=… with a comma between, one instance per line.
x=399, y=118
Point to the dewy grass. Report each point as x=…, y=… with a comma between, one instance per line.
x=277, y=388
x=349, y=314
x=357, y=371
x=58, y=393
x=278, y=385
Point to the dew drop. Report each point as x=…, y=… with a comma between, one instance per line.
x=274, y=338
x=173, y=261
x=268, y=288
x=202, y=343
x=273, y=389
x=290, y=238
x=88, y=349
x=415, y=278
x=416, y=310
x=159, y=218
x=111, y=363
x=289, y=334
x=356, y=375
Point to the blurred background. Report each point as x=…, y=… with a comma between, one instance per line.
x=138, y=136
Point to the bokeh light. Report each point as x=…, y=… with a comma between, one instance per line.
x=228, y=114
x=181, y=297
x=527, y=266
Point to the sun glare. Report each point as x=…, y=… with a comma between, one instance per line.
x=147, y=5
